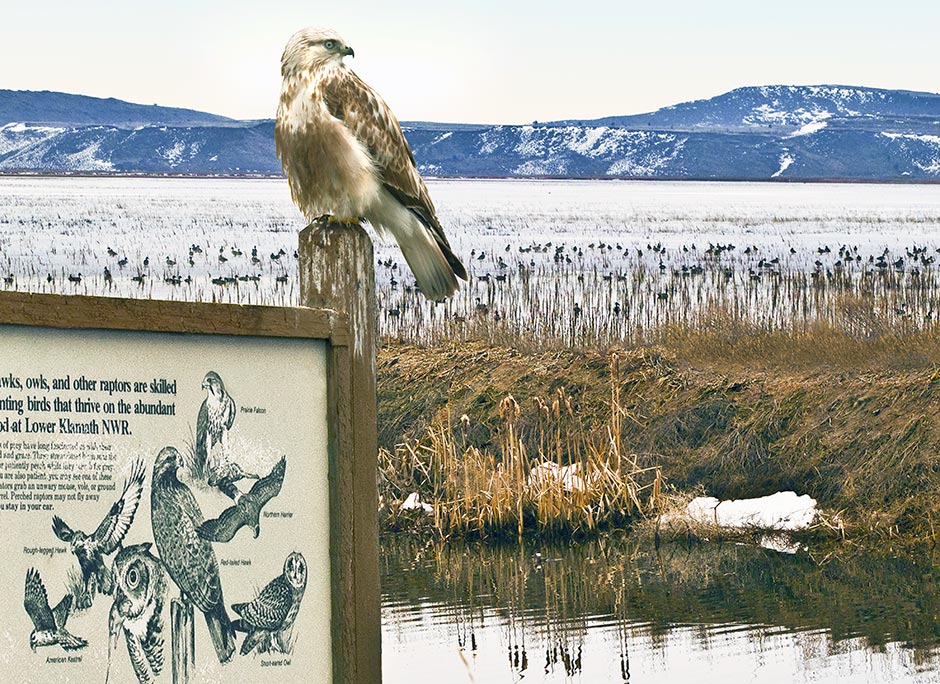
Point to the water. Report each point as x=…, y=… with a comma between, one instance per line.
x=618, y=610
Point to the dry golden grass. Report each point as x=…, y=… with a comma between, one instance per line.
x=574, y=481
x=851, y=422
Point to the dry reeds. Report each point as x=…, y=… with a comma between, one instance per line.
x=576, y=481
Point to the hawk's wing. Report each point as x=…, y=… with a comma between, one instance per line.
x=223, y=528
x=115, y=525
x=62, y=530
x=36, y=602
x=229, y=411
x=269, y=486
x=371, y=121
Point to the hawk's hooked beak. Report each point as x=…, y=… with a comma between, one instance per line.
x=348, y=52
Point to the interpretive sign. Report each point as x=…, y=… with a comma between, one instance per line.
x=171, y=492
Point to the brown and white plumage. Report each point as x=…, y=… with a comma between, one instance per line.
x=189, y=560
x=344, y=154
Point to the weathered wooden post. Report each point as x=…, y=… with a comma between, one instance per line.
x=337, y=272
x=183, y=640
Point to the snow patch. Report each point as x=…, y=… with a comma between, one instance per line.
x=780, y=512
x=785, y=161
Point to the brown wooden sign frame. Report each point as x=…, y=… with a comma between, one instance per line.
x=337, y=279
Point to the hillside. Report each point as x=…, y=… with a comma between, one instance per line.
x=753, y=133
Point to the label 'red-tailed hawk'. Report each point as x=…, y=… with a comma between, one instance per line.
x=344, y=154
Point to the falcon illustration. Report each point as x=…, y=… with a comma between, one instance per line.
x=139, y=595
x=215, y=419
x=269, y=618
x=189, y=559
x=90, y=549
x=247, y=508
x=344, y=154
x=48, y=624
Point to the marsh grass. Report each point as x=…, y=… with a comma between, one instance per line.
x=575, y=481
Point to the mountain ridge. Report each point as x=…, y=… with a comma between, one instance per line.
x=753, y=133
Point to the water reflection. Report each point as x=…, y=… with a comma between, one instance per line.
x=619, y=610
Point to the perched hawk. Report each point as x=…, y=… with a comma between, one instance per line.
x=345, y=155
x=91, y=548
x=189, y=559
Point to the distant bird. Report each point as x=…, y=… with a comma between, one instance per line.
x=48, y=623
x=247, y=509
x=188, y=558
x=112, y=253
x=107, y=276
x=90, y=549
x=269, y=618
x=137, y=610
x=344, y=154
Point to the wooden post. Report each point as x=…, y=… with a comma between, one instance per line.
x=183, y=644
x=337, y=272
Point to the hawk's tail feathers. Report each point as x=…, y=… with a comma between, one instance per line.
x=422, y=251
x=222, y=633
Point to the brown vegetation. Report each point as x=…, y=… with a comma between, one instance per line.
x=850, y=420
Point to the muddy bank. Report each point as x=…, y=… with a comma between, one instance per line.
x=863, y=438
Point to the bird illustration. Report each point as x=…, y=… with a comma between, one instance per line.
x=247, y=508
x=188, y=558
x=90, y=549
x=344, y=154
x=215, y=419
x=137, y=610
x=48, y=623
x=268, y=619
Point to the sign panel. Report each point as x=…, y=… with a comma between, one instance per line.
x=141, y=468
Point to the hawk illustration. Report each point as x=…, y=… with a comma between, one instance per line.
x=247, y=509
x=188, y=558
x=48, y=624
x=344, y=154
x=139, y=595
x=90, y=549
x=274, y=610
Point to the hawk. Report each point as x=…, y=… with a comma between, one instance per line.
x=344, y=154
x=215, y=419
x=188, y=558
x=90, y=548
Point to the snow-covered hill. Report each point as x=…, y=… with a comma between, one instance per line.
x=832, y=132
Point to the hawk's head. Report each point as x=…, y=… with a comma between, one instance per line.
x=213, y=385
x=313, y=47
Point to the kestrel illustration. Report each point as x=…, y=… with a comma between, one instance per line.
x=90, y=549
x=48, y=624
x=344, y=154
x=139, y=595
x=269, y=618
x=189, y=559
x=247, y=509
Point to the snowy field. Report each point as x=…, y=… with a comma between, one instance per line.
x=571, y=260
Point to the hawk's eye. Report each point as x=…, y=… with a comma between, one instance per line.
x=329, y=45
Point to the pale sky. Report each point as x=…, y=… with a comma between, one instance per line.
x=486, y=61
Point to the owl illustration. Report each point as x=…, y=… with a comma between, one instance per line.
x=139, y=595
x=188, y=558
x=272, y=613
